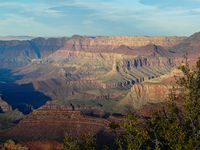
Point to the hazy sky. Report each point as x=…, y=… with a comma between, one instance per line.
x=99, y=17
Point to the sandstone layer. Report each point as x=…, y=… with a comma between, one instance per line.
x=15, y=53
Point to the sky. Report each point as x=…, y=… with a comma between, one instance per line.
x=99, y=17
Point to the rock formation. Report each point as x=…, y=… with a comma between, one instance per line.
x=4, y=107
x=190, y=47
x=152, y=91
x=109, y=43
x=100, y=70
x=53, y=122
x=19, y=53
x=72, y=74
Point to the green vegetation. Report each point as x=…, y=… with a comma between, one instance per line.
x=113, y=125
x=177, y=128
x=85, y=142
x=174, y=128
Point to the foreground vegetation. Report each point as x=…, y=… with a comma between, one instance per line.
x=175, y=128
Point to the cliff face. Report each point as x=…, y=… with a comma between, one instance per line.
x=152, y=91
x=103, y=43
x=19, y=53
x=69, y=74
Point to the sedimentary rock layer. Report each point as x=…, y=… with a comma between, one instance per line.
x=54, y=122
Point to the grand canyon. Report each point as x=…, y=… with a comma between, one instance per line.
x=99, y=75
x=73, y=85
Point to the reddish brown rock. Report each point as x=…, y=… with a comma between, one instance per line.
x=152, y=91
x=54, y=122
x=43, y=145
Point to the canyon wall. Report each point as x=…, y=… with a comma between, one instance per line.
x=152, y=91
x=19, y=53
x=109, y=43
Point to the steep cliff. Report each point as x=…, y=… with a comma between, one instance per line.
x=16, y=53
x=152, y=91
x=19, y=53
x=109, y=43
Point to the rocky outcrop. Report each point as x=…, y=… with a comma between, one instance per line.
x=152, y=91
x=4, y=107
x=54, y=122
x=111, y=43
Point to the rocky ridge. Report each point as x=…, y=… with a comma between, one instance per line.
x=52, y=122
x=152, y=91
x=15, y=53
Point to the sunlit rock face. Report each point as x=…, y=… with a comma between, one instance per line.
x=4, y=107
x=152, y=91
x=109, y=43
x=18, y=53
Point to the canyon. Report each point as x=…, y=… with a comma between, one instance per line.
x=75, y=85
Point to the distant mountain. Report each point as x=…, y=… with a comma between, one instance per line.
x=190, y=45
x=19, y=38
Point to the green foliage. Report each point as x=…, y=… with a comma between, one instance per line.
x=174, y=129
x=113, y=125
x=70, y=143
x=135, y=136
x=84, y=142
